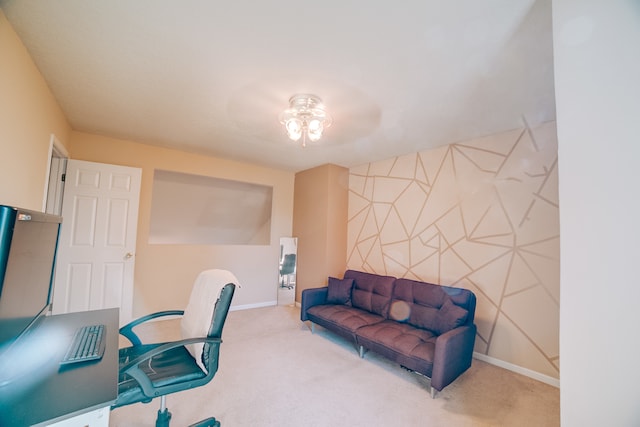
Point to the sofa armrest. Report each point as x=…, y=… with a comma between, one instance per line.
x=311, y=297
x=453, y=354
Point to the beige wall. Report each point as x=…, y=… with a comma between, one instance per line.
x=337, y=214
x=480, y=214
x=29, y=114
x=320, y=224
x=164, y=274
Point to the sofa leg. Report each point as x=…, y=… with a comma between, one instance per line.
x=313, y=327
x=361, y=350
x=433, y=392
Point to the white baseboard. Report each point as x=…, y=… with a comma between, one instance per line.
x=232, y=308
x=250, y=306
x=518, y=369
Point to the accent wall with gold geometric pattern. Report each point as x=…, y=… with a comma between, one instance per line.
x=479, y=214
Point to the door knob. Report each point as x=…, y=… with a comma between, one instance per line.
x=128, y=255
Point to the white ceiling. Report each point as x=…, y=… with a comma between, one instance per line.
x=211, y=76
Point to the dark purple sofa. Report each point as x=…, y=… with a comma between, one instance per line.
x=425, y=328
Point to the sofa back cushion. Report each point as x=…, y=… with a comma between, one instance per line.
x=433, y=307
x=339, y=291
x=371, y=292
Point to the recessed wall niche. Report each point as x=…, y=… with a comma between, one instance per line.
x=203, y=210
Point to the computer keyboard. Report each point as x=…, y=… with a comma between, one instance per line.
x=88, y=344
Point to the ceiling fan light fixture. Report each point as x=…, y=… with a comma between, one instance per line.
x=315, y=125
x=314, y=132
x=294, y=128
x=306, y=117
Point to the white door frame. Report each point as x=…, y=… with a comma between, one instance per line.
x=54, y=183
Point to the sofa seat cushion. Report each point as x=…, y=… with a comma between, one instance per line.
x=407, y=345
x=342, y=319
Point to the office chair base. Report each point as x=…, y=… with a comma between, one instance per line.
x=164, y=416
x=209, y=422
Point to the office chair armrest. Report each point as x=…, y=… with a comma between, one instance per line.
x=131, y=367
x=127, y=330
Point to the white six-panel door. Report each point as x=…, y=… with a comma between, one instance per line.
x=96, y=252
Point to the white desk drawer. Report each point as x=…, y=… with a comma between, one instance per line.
x=97, y=418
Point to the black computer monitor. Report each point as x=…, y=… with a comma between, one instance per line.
x=28, y=245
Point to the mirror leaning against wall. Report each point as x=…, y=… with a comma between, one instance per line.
x=287, y=270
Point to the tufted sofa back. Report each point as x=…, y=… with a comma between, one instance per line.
x=424, y=305
x=371, y=292
x=434, y=307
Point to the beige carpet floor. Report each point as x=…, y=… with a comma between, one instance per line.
x=275, y=372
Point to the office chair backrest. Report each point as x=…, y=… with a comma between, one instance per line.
x=210, y=351
x=288, y=264
x=207, y=311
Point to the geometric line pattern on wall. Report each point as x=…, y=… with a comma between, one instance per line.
x=480, y=214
